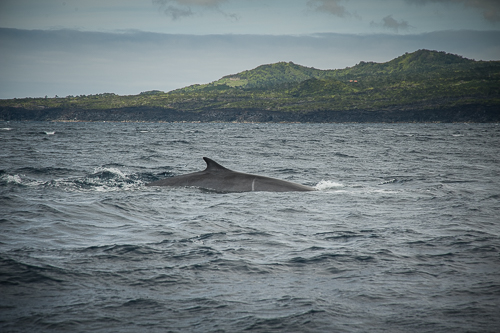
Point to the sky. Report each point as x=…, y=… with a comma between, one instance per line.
x=81, y=47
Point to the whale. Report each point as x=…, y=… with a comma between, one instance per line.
x=218, y=178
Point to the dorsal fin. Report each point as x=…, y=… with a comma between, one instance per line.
x=212, y=165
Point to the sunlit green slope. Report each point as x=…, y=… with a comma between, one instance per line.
x=422, y=80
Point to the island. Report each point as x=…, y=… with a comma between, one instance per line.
x=422, y=86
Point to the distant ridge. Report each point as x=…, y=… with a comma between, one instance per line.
x=287, y=72
x=420, y=86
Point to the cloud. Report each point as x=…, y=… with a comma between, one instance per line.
x=177, y=9
x=176, y=12
x=330, y=6
x=490, y=8
x=390, y=23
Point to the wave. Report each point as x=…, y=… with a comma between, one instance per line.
x=107, y=173
x=16, y=273
x=10, y=179
x=102, y=179
x=328, y=185
x=117, y=250
x=49, y=171
x=107, y=179
x=294, y=322
x=344, y=155
x=390, y=181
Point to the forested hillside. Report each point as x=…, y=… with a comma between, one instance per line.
x=423, y=81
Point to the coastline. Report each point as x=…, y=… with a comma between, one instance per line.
x=474, y=113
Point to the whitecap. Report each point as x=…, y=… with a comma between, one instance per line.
x=12, y=179
x=109, y=171
x=390, y=181
x=327, y=184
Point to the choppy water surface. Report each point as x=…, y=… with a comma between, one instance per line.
x=403, y=233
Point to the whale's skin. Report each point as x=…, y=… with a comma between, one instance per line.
x=218, y=178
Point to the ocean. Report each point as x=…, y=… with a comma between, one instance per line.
x=402, y=234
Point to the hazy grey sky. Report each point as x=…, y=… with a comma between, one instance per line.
x=72, y=47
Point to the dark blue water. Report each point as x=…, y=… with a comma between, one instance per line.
x=403, y=234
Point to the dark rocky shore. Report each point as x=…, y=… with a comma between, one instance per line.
x=467, y=113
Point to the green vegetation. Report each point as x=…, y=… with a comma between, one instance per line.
x=420, y=80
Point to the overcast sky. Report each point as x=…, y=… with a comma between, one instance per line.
x=73, y=47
